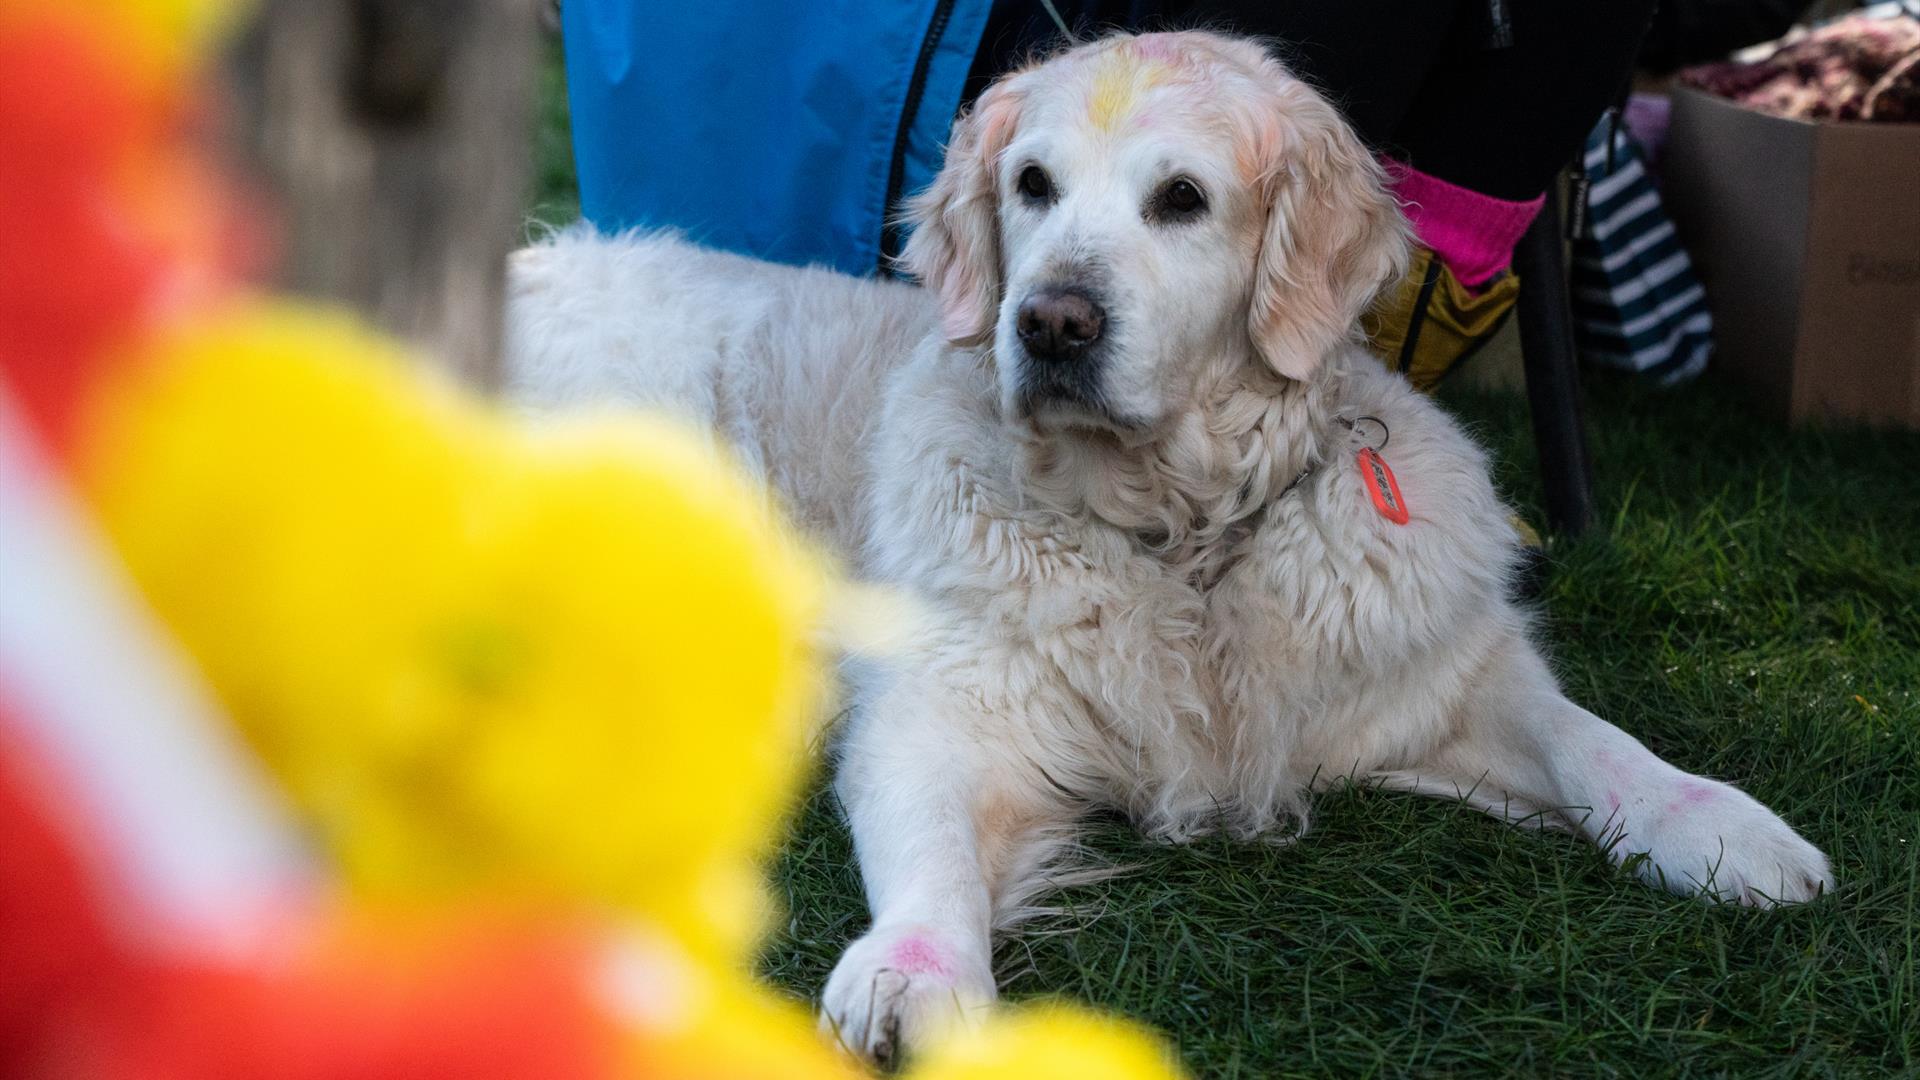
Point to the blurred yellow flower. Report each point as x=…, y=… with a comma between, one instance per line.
x=570, y=661
x=1051, y=1041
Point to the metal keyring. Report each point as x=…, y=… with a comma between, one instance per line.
x=1385, y=432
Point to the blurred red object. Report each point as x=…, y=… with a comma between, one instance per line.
x=83, y=994
x=114, y=220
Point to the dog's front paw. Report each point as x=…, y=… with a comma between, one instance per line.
x=1700, y=836
x=897, y=988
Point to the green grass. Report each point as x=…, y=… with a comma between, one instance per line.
x=555, y=199
x=1750, y=608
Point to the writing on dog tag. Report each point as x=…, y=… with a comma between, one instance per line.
x=1381, y=485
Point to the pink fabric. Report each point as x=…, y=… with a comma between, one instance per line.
x=1473, y=234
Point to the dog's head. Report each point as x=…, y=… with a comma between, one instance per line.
x=1119, y=215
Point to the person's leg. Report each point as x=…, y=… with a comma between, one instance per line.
x=1503, y=121
x=1492, y=126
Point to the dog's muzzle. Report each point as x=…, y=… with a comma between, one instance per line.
x=1063, y=329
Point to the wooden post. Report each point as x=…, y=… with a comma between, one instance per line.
x=395, y=137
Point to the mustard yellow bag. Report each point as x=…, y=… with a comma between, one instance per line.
x=1425, y=326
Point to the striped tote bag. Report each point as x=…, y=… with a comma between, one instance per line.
x=1637, y=304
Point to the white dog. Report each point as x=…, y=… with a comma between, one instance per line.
x=1187, y=550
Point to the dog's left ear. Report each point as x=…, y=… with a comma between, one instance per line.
x=1334, y=235
x=955, y=246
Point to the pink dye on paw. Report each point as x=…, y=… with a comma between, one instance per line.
x=915, y=955
x=1691, y=793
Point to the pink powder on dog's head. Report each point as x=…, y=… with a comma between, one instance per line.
x=915, y=955
x=1155, y=47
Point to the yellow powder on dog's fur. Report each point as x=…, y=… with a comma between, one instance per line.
x=1117, y=85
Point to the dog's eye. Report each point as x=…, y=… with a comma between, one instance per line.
x=1035, y=185
x=1177, y=200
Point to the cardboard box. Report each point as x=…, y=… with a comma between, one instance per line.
x=1807, y=237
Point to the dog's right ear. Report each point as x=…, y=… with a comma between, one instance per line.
x=955, y=246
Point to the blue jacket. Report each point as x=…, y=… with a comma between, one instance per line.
x=778, y=128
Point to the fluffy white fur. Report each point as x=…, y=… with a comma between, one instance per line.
x=1175, y=597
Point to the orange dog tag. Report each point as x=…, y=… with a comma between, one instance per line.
x=1382, y=486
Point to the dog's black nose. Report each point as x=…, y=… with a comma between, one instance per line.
x=1059, y=324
